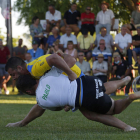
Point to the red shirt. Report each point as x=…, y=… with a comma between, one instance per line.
x=90, y=15
x=3, y=55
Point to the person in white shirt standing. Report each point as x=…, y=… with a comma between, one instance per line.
x=123, y=42
x=105, y=18
x=53, y=18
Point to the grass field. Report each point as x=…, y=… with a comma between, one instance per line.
x=61, y=125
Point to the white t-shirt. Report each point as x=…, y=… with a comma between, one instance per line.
x=55, y=17
x=105, y=17
x=55, y=90
x=123, y=41
x=64, y=39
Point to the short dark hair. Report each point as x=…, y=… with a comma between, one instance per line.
x=25, y=82
x=34, y=19
x=73, y=3
x=13, y=62
x=51, y=5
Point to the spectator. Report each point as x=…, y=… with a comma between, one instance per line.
x=100, y=68
x=123, y=42
x=53, y=38
x=121, y=69
x=19, y=51
x=53, y=18
x=85, y=44
x=36, y=31
x=87, y=19
x=82, y=64
x=71, y=18
x=67, y=37
x=54, y=48
x=25, y=47
x=107, y=37
x=35, y=52
x=135, y=20
x=102, y=49
x=4, y=76
x=28, y=58
x=105, y=18
x=136, y=43
x=71, y=50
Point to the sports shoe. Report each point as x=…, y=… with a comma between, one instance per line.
x=7, y=92
x=136, y=64
x=126, y=94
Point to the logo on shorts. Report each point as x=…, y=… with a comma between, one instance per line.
x=47, y=90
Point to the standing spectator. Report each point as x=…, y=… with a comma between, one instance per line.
x=19, y=51
x=35, y=52
x=54, y=48
x=4, y=76
x=71, y=50
x=100, y=68
x=67, y=37
x=85, y=44
x=36, y=31
x=121, y=69
x=123, y=42
x=87, y=19
x=107, y=37
x=82, y=64
x=105, y=18
x=71, y=18
x=136, y=43
x=102, y=49
x=25, y=47
x=52, y=38
x=28, y=58
x=135, y=20
x=53, y=18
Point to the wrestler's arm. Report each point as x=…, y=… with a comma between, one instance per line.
x=59, y=62
x=34, y=113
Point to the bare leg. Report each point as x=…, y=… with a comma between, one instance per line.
x=134, y=56
x=112, y=86
x=105, y=119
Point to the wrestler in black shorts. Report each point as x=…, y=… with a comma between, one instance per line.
x=94, y=97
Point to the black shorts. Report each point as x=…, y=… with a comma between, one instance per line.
x=94, y=97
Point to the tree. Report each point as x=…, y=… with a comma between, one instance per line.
x=30, y=8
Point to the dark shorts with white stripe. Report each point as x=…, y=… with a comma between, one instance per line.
x=93, y=98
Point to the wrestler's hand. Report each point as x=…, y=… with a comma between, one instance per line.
x=60, y=53
x=72, y=76
x=17, y=124
x=67, y=108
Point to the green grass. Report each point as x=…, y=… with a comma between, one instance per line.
x=61, y=125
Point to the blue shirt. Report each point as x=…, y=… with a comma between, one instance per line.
x=39, y=52
x=51, y=39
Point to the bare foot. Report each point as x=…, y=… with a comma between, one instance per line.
x=127, y=79
x=129, y=129
x=134, y=96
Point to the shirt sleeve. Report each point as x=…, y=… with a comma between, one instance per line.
x=74, y=39
x=94, y=52
x=47, y=16
x=112, y=14
x=97, y=18
x=88, y=66
x=105, y=65
x=94, y=65
x=91, y=40
x=59, y=16
x=61, y=40
x=116, y=39
x=32, y=31
x=130, y=39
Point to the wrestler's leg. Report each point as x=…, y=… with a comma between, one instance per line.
x=112, y=86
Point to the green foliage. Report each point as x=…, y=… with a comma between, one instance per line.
x=30, y=8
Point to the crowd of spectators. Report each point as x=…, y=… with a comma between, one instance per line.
x=101, y=56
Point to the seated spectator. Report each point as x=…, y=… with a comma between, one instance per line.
x=36, y=31
x=52, y=38
x=135, y=20
x=71, y=18
x=123, y=42
x=71, y=50
x=53, y=18
x=87, y=19
x=54, y=48
x=105, y=18
x=102, y=49
x=136, y=43
x=100, y=68
x=82, y=64
x=28, y=58
x=67, y=37
x=107, y=37
x=35, y=52
x=85, y=44
x=19, y=51
x=121, y=69
x=4, y=76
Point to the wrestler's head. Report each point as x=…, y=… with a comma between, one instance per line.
x=15, y=67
